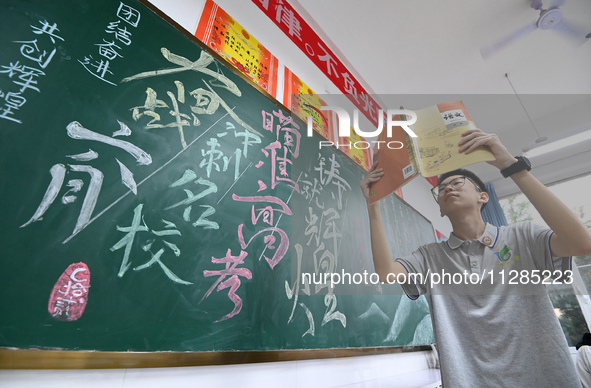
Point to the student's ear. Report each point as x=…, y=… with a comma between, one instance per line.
x=483, y=198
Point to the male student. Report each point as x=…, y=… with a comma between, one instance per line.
x=494, y=323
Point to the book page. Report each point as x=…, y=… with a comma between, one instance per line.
x=439, y=129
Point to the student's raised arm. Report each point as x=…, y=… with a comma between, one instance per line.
x=382, y=260
x=570, y=237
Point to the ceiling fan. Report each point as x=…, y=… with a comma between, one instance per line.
x=550, y=18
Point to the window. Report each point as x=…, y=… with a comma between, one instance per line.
x=571, y=302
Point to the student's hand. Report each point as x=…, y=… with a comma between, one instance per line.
x=474, y=138
x=373, y=175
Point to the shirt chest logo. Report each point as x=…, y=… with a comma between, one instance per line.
x=505, y=256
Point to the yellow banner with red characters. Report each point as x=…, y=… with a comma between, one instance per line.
x=303, y=102
x=225, y=36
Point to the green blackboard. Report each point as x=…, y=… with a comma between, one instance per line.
x=154, y=200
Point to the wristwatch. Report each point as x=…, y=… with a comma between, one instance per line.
x=522, y=163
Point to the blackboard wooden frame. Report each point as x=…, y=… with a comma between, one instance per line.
x=12, y=358
x=72, y=359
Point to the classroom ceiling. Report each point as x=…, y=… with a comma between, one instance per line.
x=425, y=46
x=433, y=48
x=422, y=52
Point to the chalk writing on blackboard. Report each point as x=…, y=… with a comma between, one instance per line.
x=185, y=191
x=322, y=193
x=139, y=225
x=206, y=101
x=58, y=173
x=31, y=50
x=110, y=50
x=190, y=178
x=281, y=153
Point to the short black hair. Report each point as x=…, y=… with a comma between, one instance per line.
x=469, y=174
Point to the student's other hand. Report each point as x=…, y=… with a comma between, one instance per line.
x=373, y=175
x=474, y=138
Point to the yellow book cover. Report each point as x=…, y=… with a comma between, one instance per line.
x=433, y=152
x=439, y=129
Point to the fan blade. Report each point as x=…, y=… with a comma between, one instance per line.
x=487, y=51
x=574, y=32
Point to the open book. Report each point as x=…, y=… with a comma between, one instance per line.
x=433, y=152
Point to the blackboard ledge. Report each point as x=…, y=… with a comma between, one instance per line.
x=11, y=358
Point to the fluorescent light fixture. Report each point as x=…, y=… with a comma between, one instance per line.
x=557, y=143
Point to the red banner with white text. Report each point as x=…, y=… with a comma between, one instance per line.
x=296, y=28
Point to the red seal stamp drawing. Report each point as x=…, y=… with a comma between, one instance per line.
x=70, y=293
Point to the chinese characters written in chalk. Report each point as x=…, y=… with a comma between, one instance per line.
x=58, y=172
x=266, y=211
x=148, y=244
x=206, y=102
x=110, y=49
x=323, y=225
x=195, y=185
x=24, y=76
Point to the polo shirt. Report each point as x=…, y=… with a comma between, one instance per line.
x=584, y=365
x=494, y=323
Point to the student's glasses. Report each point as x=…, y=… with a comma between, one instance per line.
x=455, y=184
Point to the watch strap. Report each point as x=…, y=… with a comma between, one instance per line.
x=522, y=164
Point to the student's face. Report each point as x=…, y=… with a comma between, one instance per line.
x=455, y=195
